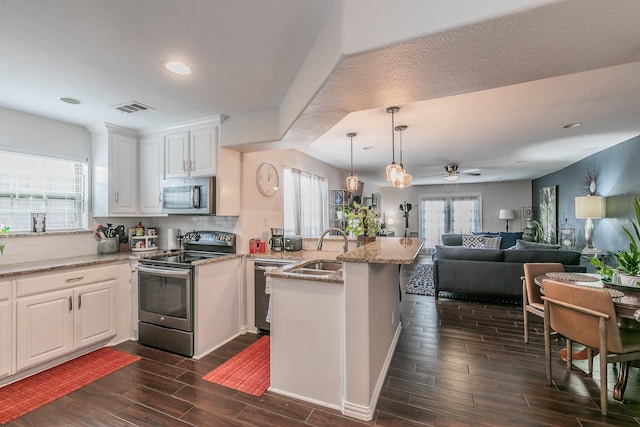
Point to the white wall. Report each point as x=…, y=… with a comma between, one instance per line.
x=259, y=213
x=495, y=196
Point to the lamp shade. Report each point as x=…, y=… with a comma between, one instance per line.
x=506, y=214
x=589, y=207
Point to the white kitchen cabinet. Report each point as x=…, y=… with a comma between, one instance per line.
x=115, y=171
x=57, y=314
x=151, y=174
x=6, y=347
x=192, y=152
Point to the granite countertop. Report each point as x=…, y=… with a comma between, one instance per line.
x=386, y=250
x=22, y=268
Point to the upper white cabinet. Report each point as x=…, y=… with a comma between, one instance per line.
x=151, y=174
x=228, y=183
x=192, y=152
x=115, y=171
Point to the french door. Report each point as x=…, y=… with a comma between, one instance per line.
x=444, y=214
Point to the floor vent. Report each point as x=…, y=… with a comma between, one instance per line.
x=132, y=107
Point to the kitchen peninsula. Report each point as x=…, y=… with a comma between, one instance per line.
x=332, y=340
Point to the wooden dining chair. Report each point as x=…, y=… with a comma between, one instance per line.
x=531, y=295
x=587, y=316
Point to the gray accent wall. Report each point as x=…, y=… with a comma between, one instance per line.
x=618, y=181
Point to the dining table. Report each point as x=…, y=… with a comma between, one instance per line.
x=626, y=301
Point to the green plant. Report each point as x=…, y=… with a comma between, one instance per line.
x=3, y=230
x=629, y=260
x=538, y=233
x=604, y=270
x=361, y=220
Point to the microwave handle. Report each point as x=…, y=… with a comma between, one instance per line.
x=195, y=196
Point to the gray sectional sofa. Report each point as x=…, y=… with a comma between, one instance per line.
x=494, y=272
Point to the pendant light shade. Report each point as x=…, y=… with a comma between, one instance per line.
x=403, y=178
x=352, y=180
x=393, y=170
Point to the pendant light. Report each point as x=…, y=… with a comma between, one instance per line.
x=404, y=178
x=393, y=169
x=352, y=180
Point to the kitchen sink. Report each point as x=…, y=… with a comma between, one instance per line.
x=316, y=269
x=324, y=265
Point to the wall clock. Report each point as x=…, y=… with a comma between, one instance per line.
x=267, y=179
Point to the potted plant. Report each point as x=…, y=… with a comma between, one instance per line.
x=3, y=230
x=362, y=223
x=629, y=260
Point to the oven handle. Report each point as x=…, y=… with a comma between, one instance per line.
x=168, y=272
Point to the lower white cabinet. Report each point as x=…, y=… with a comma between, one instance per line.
x=6, y=347
x=52, y=324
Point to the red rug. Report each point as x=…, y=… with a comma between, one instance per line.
x=247, y=371
x=22, y=397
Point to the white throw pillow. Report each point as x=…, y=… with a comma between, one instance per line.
x=472, y=241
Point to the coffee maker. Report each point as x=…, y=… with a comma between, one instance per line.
x=277, y=239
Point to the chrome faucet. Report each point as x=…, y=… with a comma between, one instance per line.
x=329, y=230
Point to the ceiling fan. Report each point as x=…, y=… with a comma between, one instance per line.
x=453, y=173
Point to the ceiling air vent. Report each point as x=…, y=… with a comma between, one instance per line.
x=132, y=107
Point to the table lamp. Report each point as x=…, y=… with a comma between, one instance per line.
x=589, y=207
x=507, y=214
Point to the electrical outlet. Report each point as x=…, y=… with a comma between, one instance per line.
x=393, y=317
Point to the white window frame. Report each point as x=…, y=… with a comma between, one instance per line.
x=432, y=241
x=306, y=203
x=22, y=194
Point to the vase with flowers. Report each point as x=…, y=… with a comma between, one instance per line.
x=362, y=222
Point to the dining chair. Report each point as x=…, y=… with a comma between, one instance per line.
x=531, y=295
x=587, y=316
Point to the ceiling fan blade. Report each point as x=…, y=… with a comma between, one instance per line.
x=472, y=172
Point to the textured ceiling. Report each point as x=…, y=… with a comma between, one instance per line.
x=492, y=94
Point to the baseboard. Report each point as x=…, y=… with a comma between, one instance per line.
x=304, y=398
x=365, y=413
x=205, y=352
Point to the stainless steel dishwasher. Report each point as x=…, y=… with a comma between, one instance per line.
x=262, y=298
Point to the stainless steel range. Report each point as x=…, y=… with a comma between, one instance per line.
x=166, y=289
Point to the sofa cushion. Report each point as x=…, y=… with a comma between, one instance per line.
x=462, y=253
x=452, y=239
x=492, y=242
x=521, y=244
x=542, y=255
x=509, y=239
x=471, y=241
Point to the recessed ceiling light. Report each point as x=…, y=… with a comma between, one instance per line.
x=572, y=125
x=69, y=100
x=368, y=147
x=178, y=68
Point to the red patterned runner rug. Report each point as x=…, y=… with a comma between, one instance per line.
x=247, y=371
x=22, y=397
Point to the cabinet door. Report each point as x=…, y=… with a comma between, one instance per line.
x=177, y=155
x=44, y=327
x=204, y=151
x=124, y=174
x=151, y=174
x=6, y=347
x=95, y=313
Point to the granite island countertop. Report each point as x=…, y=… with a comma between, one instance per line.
x=385, y=250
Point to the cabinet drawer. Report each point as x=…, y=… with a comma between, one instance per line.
x=46, y=282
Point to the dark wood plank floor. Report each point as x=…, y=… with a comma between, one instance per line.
x=458, y=363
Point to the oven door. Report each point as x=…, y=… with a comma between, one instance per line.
x=165, y=297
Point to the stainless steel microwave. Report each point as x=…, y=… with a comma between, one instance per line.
x=189, y=196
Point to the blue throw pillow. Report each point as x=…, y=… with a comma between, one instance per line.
x=509, y=239
x=484, y=233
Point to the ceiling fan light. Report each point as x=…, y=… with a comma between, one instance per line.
x=451, y=178
x=352, y=183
